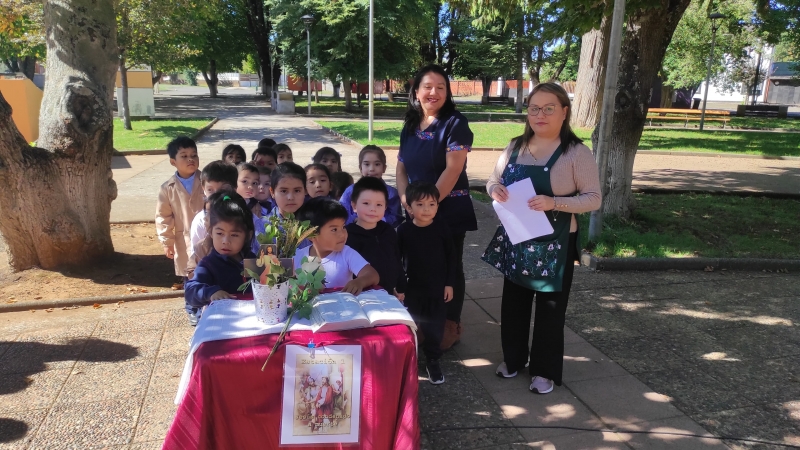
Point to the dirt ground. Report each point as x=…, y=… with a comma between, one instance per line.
x=138, y=266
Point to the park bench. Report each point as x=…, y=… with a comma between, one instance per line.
x=498, y=100
x=778, y=111
x=398, y=96
x=687, y=115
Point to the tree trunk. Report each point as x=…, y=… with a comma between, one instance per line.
x=591, y=76
x=336, y=87
x=259, y=27
x=57, y=201
x=647, y=35
x=486, y=85
x=666, y=96
x=518, y=76
x=157, y=77
x=28, y=66
x=211, y=78
x=358, y=95
x=563, y=64
x=348, y=94
x=123, y=80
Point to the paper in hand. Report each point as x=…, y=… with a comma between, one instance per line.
x=521, y=222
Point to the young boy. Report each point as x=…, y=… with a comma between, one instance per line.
x=263, y=194
x=265, y=157
x=372, y=163
x=284, y=153
x=179, y=200
x=339, y=261
x=267, y=142
x=428, y=253
x=374, y=239
x=216, y=175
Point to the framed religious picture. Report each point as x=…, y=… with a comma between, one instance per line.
x=321, y=395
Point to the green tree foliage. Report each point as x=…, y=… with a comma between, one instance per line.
x=21, y=34
x=487, y=52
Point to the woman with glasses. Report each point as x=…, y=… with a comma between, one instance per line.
x=433, y=147
x=564, y=175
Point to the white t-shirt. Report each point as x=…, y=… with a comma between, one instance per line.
x=197, y=232
x=339, y=266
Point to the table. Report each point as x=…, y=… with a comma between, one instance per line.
x=230, y=404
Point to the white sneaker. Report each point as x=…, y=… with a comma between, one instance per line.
x=541, y=385
x=502, y=371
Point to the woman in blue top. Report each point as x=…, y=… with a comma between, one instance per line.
x=433, y=147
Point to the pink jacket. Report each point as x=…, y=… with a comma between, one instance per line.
x=174, y=213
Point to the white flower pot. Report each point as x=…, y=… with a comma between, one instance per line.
x=271, y=305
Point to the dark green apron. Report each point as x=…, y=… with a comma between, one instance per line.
x=537, y=264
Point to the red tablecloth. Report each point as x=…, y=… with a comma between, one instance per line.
x=231, y=404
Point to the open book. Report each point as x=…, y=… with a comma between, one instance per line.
x=342, y=311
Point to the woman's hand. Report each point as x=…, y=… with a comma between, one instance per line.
x=500, y=193
x=541, y=203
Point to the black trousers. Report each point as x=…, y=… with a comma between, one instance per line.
x=547, y=346
x=455, y=305
x=429, y=313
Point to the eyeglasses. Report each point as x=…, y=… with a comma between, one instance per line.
x=548, y=110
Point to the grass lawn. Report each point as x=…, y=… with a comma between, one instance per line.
x=699, y=225
x=498, y=134
x=154, y=134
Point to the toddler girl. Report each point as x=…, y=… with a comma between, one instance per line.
x=218, y=275
x=284, y=153
x=330, y=158
x=233, y=154
x=318, y=181
x=288, y=188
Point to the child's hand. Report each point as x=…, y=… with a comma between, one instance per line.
x=400, y=296
x=169, y=252
x=352, y=287
x=448, y=293
x=220, y=294
x=189, y=274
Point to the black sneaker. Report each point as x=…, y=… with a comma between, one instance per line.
x=435, y=375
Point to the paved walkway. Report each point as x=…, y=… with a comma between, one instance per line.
x=246, y=120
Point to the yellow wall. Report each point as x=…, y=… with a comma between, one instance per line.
x=137, y=79
x=25, y=100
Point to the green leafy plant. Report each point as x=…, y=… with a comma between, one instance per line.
x=287, y=233
x=308, y=282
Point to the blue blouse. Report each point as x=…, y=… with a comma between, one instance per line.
x=424, y=154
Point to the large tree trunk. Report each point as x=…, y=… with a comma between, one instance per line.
x=591, y=75
x=259, y=28
x=647, y=35
x=486, y=85
x=210, y=76
x=57, y=200
x=348, y=94
x=518, y=72
x=123, y=81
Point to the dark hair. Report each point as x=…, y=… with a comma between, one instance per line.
x=568, y=137
x=340, y=181
x=419, y=190
x=413, y=115
x=246, y=167
x=264, y=170
x=321, y=167
x=287, y=170
x=369, y=184
x=234, y=148
x=266, y=142
x=372, y=149
x=265, y=151
x=281, y=148
x=219, y=171
x=327, y=151
x=321, y=210
x=178, y=143
x=228, y=206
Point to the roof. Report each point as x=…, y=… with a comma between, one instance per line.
x=784, y=70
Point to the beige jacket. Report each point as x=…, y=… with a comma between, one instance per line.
x=174, y=213
x=575, y=172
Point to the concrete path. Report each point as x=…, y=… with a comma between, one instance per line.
x=246, y=119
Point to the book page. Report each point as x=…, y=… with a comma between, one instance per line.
x=337, y=311
x=521, y=222
x=381, y=308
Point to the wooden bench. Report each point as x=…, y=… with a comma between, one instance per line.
x=398, y=97
x=688, y=115
x=778, y=111
x=498, y=100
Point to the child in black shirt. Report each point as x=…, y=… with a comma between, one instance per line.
x=426, y=246
x=373, y=238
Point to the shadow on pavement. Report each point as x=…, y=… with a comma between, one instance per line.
x=11, y=430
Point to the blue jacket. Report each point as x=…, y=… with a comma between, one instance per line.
x=393, y=215
x=215, y=273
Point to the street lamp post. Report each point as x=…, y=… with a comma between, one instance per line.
x=714, y=27
x=307, y=20
x=371, y=70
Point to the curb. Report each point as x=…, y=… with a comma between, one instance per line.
x=159, y=151
x=85, y=301
x=775, y=195
x=749, y=264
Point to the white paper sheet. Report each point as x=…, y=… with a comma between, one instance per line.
x=521, y=222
